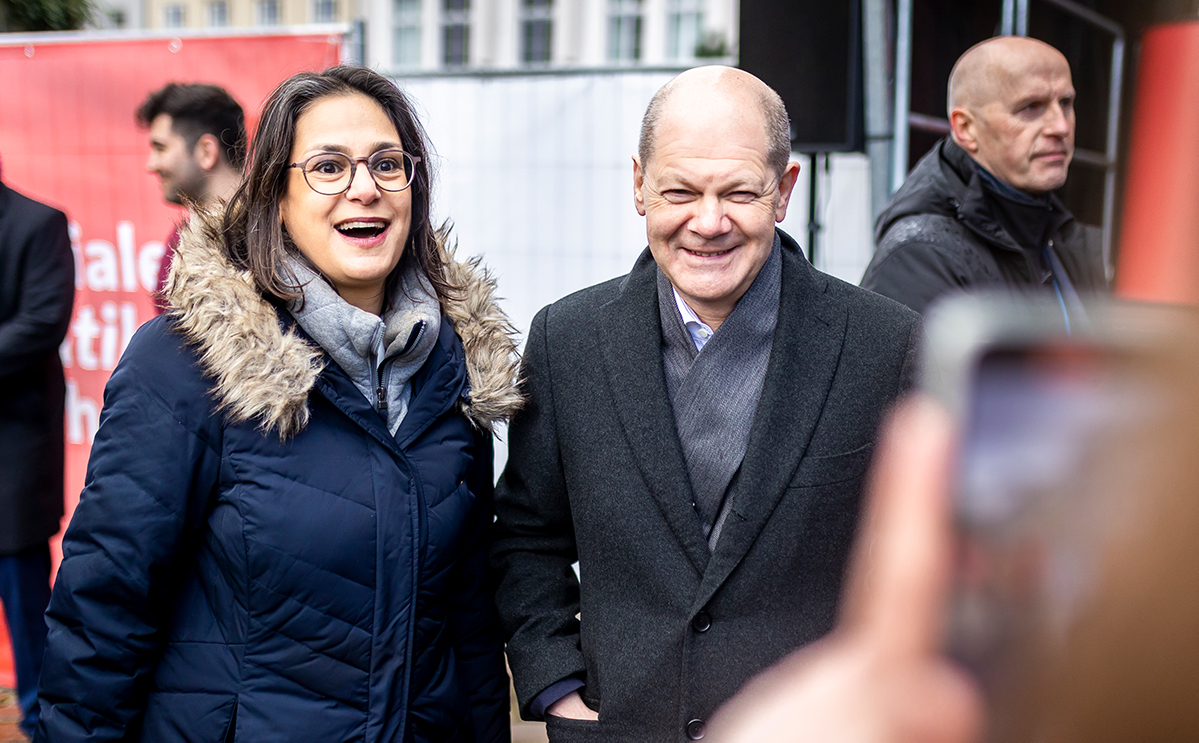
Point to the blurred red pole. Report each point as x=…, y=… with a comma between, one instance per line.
x=1159, y=246
x=8, y=676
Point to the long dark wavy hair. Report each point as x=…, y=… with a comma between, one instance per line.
x=254, y=238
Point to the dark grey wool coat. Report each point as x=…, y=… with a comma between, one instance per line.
x=37, y=291
x=669, y=630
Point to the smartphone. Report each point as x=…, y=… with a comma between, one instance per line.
x=1043, y=413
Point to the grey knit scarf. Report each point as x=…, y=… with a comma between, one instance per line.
x=715, y=392
x=376, y=352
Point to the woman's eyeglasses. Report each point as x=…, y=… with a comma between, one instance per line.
x=332, y=173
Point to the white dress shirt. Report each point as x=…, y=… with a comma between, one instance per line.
x=700, y=331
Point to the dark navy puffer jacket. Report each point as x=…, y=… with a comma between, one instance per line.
x=252, y=564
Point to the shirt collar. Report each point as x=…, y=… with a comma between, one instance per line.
x=700, y=331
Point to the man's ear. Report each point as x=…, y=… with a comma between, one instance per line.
x=207, y=152
x=638, y=184
x=786, y=186
x=963, y=126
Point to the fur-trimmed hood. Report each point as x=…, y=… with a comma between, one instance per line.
x=262, y=372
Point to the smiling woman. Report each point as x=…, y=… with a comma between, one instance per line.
x=283, y=532
x=356, y=235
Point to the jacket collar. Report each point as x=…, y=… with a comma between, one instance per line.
x=437, y=385
x=946, y=182
x=970, y=202
x=263, y=370
x=803, y=361
x=632, y=351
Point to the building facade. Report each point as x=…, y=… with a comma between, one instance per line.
x=216, y=14
x=415, y=36
x=406, y=36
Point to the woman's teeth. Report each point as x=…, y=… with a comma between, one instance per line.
x=361, y=229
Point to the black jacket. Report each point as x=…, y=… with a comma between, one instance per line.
x=940, y=232
x=37, y=290
x=595, y=473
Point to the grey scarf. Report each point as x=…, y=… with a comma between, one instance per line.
x=380, y=354
x=715, y=392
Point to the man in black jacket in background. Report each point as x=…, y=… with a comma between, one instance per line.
x=37, y=291
x=979, y=208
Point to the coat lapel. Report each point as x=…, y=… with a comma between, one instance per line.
x=803, y=361
x=632, y=351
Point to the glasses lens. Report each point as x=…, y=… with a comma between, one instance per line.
x=392, y=169
x=328, y=173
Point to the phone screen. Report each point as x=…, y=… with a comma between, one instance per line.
x=1032, y=517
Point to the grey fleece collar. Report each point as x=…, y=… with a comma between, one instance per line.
x=380, y=354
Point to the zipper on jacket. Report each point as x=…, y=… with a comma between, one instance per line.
x=380, y=390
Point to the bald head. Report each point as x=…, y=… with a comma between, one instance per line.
x=721, y=91
x=990, y=68
x=1011, y=107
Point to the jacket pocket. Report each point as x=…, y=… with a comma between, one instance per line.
x=564, y=730
x=832, y=468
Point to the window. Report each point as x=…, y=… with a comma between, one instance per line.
x=536, y=29
x=455, y=31
x=324, y=11
x=405, y=33
x=218, y=14
x=684, y=21
x=267, y=12
x=624, y=30
x=173, y=16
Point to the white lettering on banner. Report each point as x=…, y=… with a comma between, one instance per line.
x=108, y=336
x=101, y=267
x=101, y=272
x=114, y=330
x=101, y=329
x=148, y=261
x=85, y=330
x=83, y=416
x=125, y=245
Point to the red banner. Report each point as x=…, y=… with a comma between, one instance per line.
x=68, y=138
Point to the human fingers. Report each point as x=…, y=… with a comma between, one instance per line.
x=901, y=564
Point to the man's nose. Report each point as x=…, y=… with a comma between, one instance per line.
x=710, y=220
x=152, y=162
x=1059, y=121
x=362, y=184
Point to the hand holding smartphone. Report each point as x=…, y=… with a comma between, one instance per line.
x=1046, y=417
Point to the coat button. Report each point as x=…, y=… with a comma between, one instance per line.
x=695, y=729
x=702, y=622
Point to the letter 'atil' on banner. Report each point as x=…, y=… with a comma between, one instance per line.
x=102, y=328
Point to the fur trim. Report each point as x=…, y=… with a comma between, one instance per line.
x=261, y=372
x=492, y=361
